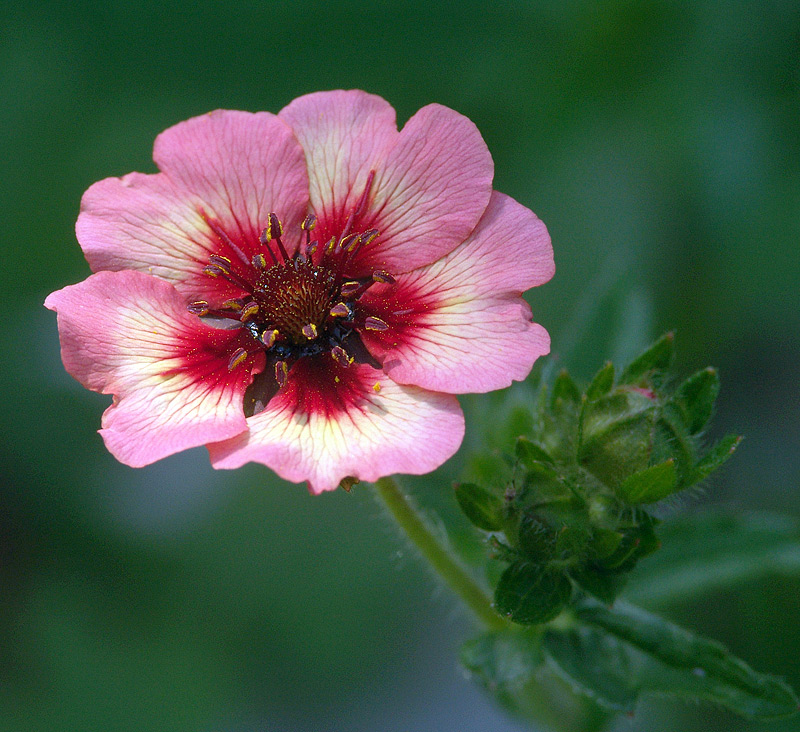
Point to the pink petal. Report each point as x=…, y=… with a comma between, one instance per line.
x=129, y=334
x=319, y=430
x=460, y=325
x=432, y=180
x=344, y=134
x=227, y=170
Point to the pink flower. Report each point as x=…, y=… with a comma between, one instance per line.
x=306, y=290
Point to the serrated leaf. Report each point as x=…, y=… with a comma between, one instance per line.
x=716, y=457
x=482, y=507
x=528, y=452
x=651, y=484
x=695, y=398
x=530, y=593
x=657, y=357
x=712, y=551
x=667, y=659
x=602, y=382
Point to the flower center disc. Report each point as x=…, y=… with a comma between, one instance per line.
x=295, y=295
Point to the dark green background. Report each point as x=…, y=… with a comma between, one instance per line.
x=658, y=141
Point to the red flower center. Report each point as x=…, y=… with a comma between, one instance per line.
x=301, y=305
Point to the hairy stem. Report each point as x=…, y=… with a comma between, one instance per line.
x=446, y=566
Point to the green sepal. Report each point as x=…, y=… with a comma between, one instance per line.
x=716, y=457
x=616, y=654
x=602, y=382
x=695, y=398
x=605, y=586
x=531, y=593
x=657, y=357
x=651, y=484
x=483, y=508
x=528, y=452
x=537, y=540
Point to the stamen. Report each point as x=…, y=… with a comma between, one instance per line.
x=238, y=357
x=222, y=262
x=265, y=243
x=359, y=209
x=340, y=310
x=274, y=231
x=232, y=305
x=281, y=373
x=311, y=247
x=268, y=337
x=383, y=277
x=369, y=236
x=372, y=323
x=348, y=288
x=341, y=356
x=225, y=238
x=347, y=241
x=221, y=267
x=249, y=311
x=309, y=222
x=329, y=247
x=310, y=331
x=198, y=307
x=259, y=261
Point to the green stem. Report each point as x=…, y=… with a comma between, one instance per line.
x=447, y=567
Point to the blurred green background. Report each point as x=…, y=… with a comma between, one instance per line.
x=660, y=144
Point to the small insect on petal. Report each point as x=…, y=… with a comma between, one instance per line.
x=238, y=357
x=372, y=323
x=376, y=387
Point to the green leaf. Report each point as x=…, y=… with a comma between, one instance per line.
x=530, y=593
x=503, y=659
x=658, y=656
x=595, y=664
x=651, y=484
x=528, y=452
x=712, y=551
x=509, y=664
x=602, y=382
x=483, y=508
x=565, y=389
x=656, y=358
x=716, y=457
x=695, y=398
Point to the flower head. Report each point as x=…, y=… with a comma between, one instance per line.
x=306, y=290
